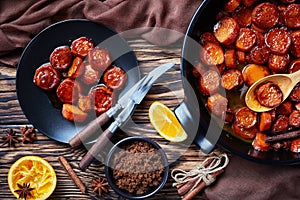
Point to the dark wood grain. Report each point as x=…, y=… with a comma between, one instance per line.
x=167, y=89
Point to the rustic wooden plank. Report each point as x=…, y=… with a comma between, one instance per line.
x=167, y=89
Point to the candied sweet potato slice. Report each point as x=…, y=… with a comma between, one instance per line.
x=73, y=113
x=230, y=58
x=226, y=30
x=252, y=73
x=231, y=5
x=265, y=15
x=278, y=40
x=217, y=104
x=231, y=79
x=246, y=39
x=209, y=82
x=295, y=45
x=212, y=54
x=265, y=121
x=259, y=143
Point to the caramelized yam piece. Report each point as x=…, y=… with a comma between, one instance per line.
x=295, y=146
x=292, y=16
x=265, y=15
x=252, y=73
x=295, y=94
x=212, y=54
x=84, y=103
x=99, y=59
x=243, y=16
x=259, y=54
x=209, y=82
x=281, y=123
x=245, y=118
x=217, y=104
x=230, y=58
x=294, y=66
x=245, y=40
x=285, y=108
x=81, y=46
x=295, y=45
x=294, y=118
x=46, y=77
x=76, y=68
x=68, y=91
x=231, y=5
x=241, y=57
x=73, y=113
x=269, y=95
x=231, y=79
x=90, y=75
x=102, y=98
x=226, y=30
x=259, y=143
x=115, y=78
x=61, y=58
x=208, y=37
x=246, y=133
x=265, y=121
x=279, y=63
x=278, y=40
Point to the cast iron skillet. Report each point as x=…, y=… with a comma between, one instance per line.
x=204, y=20
x=34, y=102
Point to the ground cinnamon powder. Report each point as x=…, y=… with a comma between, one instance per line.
x=138, y=167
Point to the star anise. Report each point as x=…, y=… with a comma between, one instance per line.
x=10, y=138
x=100, y=185
x=24, y=190
x=28, y=134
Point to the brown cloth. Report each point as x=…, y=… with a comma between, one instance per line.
x=21, y=20
x=246, y=180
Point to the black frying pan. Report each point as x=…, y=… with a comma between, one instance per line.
x=192, y=112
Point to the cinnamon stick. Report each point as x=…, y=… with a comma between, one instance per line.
x=199, y=187
x=283, y=136
x=72, y=174
x=183, y=188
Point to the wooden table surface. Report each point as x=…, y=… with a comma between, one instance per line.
x=169, y=92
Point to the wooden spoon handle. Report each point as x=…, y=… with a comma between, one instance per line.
x=295, y=77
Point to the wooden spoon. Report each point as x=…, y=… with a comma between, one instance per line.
x=286, y=83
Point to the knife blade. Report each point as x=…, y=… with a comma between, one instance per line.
x=141, y=88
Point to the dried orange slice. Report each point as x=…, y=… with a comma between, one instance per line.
x=35, y=171
x=165, y=123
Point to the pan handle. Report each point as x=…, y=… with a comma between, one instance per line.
x=205, y=135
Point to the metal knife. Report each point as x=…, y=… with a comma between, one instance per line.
x=143, y=86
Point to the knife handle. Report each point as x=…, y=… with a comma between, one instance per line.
x=89, y=130
x=97, y=147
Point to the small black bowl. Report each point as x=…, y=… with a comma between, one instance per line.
x=109, y=169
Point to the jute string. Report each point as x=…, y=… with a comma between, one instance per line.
x=201, y=172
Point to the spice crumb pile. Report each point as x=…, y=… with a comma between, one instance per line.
x=138, y=167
